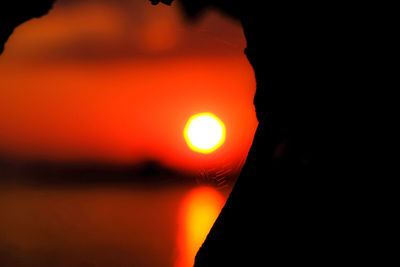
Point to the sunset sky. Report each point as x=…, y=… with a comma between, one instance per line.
x=116, y=81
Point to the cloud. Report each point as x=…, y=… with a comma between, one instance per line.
x=106, y=29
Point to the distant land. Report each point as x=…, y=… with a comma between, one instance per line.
x=149, y=173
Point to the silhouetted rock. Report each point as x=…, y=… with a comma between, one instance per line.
x=16, y=12
x=297, y=200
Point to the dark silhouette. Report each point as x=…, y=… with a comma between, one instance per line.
x=145, y=174
x=295, y=200
x=150, y=174
x=14, y=13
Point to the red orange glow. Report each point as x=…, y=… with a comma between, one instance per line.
x=198, y=213
x=125, y=91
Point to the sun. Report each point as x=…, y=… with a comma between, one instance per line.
x=204, y=132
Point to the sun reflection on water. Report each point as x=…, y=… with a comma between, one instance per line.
x=199, y=210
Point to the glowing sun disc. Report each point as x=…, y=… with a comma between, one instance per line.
x=204, y=132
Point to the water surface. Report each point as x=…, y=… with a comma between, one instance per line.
x=124, y=225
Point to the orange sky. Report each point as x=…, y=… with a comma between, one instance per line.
x=117, y=81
